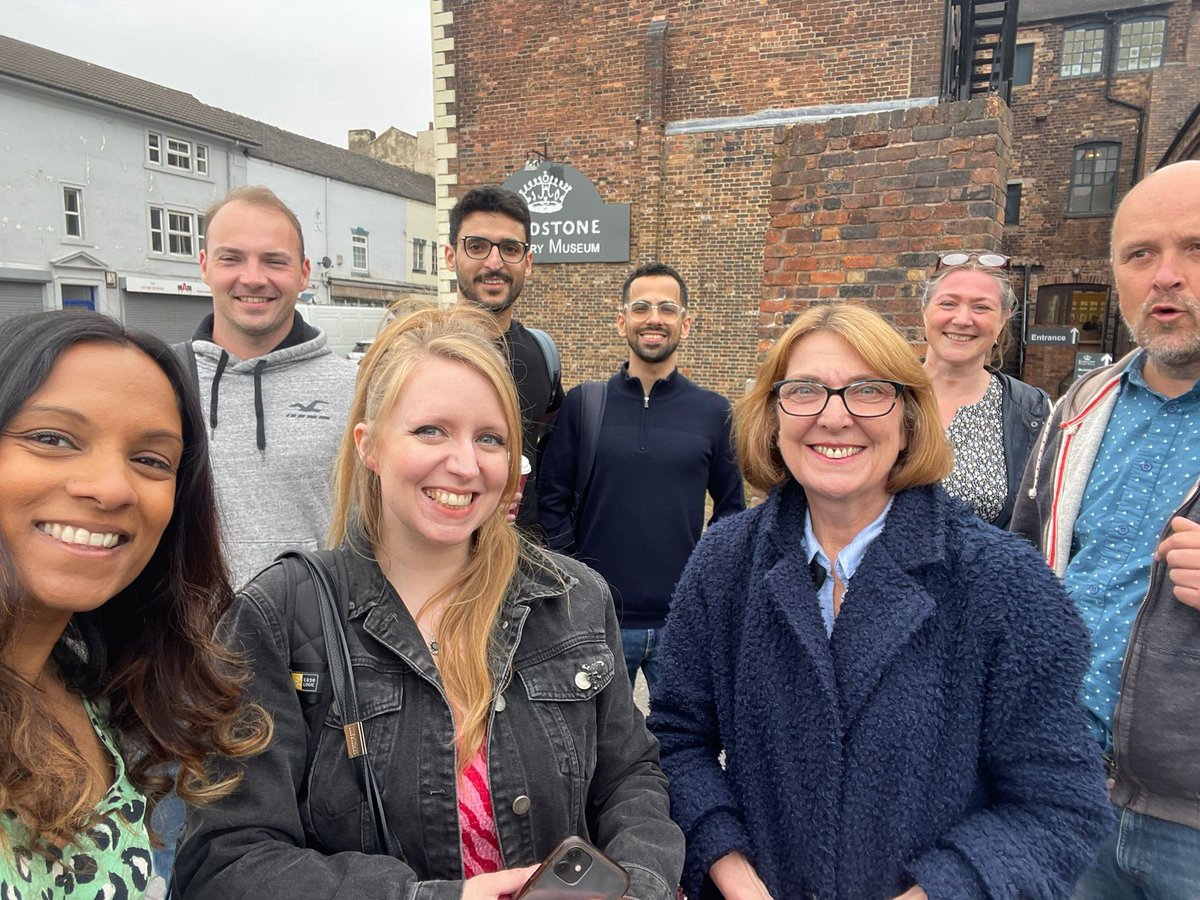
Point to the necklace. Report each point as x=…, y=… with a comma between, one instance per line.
x=429, y=637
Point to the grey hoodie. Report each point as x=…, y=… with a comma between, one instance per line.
x=275, y=424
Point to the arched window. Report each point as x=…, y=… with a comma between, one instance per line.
x=1094, y=177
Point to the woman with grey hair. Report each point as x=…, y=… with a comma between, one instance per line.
x=991, y=419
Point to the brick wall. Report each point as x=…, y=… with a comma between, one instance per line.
x=861, y=206
x=1054, y=114
x=597, y=85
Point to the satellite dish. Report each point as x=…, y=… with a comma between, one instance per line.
x=326, y=262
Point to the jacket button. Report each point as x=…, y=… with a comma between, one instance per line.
x=521, y=805
x=501, y=703
x=583, y=680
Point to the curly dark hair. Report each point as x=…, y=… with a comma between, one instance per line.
x=174, y=692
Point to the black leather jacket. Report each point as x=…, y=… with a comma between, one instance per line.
x=568, y=753
x=1023, y=410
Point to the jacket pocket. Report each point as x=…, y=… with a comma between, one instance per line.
x=335, y=800
x=562, y=683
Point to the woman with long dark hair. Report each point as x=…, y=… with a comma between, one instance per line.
x=111, y=584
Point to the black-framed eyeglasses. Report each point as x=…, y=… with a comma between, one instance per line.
x=866, y=399
x=481, y=248
x=962, y=257
x=668, y=310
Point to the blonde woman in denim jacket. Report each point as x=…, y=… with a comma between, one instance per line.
x=498, y=717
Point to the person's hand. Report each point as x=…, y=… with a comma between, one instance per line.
x=516, y=506
x=1181, y=552
x=497, y=885
x=916, y=892
x=736, y=878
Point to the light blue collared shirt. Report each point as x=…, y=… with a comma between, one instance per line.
x=848, y=560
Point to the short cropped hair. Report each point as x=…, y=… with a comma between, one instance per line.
x=926, y=459
x=651, y=270
x=262, y=197
x=493, y=200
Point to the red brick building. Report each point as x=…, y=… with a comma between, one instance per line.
x=784, y=151
x=1102, y=89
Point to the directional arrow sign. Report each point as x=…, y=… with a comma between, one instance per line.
x=1060, y=336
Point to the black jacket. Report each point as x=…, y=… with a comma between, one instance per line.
x=568, y=753
x=1023, y=410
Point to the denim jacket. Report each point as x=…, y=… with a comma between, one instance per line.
x=568, y=752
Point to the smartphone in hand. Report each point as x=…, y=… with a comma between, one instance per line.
x=575, y=870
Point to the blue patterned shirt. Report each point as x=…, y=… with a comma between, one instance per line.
x=1148, y=461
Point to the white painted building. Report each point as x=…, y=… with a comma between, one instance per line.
x=104, y=179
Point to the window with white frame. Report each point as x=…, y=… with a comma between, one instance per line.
x=433, y=253
x=418, y=255
x=1083, y=51
x=1140, y=44
x=201, y=228
x=358, y=250
x=73, y=212
x=176, y=153
x=172, y=231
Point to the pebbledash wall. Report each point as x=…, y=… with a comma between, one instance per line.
x=774, y=152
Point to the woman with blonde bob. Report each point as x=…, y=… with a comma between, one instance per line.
x=893, y=683
x=497, y=717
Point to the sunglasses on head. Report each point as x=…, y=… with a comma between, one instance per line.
x=962, y=257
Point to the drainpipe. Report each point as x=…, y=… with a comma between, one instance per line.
x=1026, y=277
x=1108, y=95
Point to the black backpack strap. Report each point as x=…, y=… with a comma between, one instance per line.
x=550, y=351
x=594, y=395
x=319, y=615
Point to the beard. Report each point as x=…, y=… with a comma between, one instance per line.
x=1173, y=346
x=473, y=295
x=653, y=354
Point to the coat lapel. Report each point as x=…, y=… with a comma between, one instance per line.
x=888, y=599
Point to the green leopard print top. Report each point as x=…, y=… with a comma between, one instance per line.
x=111, y=858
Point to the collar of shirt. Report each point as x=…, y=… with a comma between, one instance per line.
x=848, y=560
x=1135, y=377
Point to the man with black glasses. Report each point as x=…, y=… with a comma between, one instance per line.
x=627, y=467
x=489, y=255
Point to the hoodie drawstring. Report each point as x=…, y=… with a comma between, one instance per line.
x=212, y=400
x=258, y=404
x=261, y=431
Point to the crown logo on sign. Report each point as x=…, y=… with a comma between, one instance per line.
x=545, y=193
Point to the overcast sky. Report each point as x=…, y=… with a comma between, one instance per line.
x=315, y=67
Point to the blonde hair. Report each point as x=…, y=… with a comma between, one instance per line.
x=1005, y=293
x=926, y=459
x=467, y=336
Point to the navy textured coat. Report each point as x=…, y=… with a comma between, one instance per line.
x=935, y=739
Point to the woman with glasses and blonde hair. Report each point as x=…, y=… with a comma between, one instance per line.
x=893, y=682
x=991, y=419
x=497, y=714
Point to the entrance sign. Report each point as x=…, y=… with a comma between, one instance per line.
x=1063, y=337
x=1088, y=362
x=571, y=223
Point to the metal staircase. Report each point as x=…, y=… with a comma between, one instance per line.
x=977, y=57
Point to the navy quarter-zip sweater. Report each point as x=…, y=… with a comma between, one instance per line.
x=657, y=457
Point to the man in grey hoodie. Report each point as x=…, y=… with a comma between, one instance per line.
x=277, y=398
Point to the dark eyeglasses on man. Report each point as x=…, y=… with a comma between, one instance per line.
x=481, y=248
